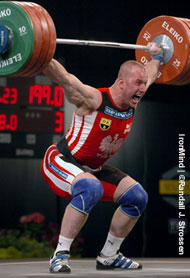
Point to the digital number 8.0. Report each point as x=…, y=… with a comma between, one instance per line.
x=10, y=124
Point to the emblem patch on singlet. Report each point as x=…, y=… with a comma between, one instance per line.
x=105, y=123
x=109, y=145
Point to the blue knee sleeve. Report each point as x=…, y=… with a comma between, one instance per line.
x=86, y=193
x=133, y=201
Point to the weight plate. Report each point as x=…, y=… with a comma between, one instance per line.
x=177, y=33
x=39, y=41
x=16, y=18
x=50, y=35
x=183, y=77
x=27, y=70
x=46, y=37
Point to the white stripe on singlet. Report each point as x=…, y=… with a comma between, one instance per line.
x=87, y=127
x=68, y=166
x=71, y=127
x=59, y=182
x=77, y=126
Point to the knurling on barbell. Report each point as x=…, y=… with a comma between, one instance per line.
x=31, y=42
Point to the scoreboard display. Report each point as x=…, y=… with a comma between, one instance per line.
x=31, y=116
x=36, y=95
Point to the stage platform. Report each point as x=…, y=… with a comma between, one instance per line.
x=157, y=267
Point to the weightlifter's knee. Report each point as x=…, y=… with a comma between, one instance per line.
x=86, y=193
x=133, y=201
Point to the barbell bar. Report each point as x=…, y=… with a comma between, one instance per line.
x=107, y=44
x=101, y=44
x=30, y=42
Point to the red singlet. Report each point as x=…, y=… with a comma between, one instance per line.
x=92, y=139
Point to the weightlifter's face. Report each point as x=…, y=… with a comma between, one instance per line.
x=134, y=87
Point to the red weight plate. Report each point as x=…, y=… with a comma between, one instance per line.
x=183, y=77
x=50, y=35
x=26, y=71
x=187, y=20
x=45, y=35
x=177, y=33
x=186, y=77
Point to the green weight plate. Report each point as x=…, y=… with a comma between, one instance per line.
x=17, y=19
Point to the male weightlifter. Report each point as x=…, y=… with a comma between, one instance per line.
x=76, y=164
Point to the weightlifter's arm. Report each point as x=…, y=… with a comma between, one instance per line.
x=153, y=66
x=152, y=70
x=76, y=92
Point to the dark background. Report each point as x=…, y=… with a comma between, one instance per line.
x=152, y=147
x=119, y=21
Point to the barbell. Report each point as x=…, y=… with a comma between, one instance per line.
x=28, y=42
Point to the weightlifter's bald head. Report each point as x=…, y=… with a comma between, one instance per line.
x=128, y=67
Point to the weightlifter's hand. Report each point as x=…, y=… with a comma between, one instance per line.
x=154, y=49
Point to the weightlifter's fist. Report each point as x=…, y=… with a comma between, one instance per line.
x=154, y=49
